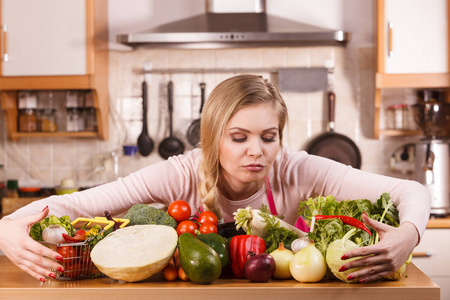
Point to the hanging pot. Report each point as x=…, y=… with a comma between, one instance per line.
x=335, y=146
x=171, y=145
x=193, y=133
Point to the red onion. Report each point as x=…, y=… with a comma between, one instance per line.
x=259, y=267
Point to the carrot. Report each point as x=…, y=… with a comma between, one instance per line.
x=170, y=272
x=182, y=275
x=176, y=258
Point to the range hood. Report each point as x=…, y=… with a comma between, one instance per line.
x=231, y=24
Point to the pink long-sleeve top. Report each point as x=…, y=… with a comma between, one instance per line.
x=295, y=177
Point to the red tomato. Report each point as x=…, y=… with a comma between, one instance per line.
x=84, y=255
x=179, y=210
x=73, y=270
x=208, y=217
x=186, y=226
x=206, y=228
x=68, y=254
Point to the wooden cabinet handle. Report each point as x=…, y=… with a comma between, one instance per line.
x=421, y=254
x=390, y=36
x=5, y=56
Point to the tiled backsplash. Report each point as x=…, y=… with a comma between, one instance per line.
x=49, y=160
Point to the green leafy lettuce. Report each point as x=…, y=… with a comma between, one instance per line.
x=329, y=230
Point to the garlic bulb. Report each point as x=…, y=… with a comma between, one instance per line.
x=53, y=234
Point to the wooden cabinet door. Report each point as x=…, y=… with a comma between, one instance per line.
x=416, y=36
x=45, y=37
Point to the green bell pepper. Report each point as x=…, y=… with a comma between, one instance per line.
x=218, y=243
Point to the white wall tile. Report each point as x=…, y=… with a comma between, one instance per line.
x=56, y=159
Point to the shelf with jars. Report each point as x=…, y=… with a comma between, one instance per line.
x=49, y=113
x=75, y=58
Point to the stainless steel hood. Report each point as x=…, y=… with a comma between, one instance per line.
x=227, y=27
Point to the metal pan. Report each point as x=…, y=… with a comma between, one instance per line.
x=333, y=145
x=193, y=133
x=170, y=146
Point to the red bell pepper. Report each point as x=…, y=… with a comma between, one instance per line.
x=239, y=247
x=347, y=220
x=79, y=236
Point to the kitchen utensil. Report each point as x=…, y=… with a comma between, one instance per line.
x=145, y=143
x=171, y=145
x=335, y=146
x=432, y=169
x=433, y=118
x=303, y=80
x=193, y=133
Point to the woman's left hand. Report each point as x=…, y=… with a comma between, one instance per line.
x=384, y=257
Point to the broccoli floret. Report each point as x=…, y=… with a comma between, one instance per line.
x=142, y=214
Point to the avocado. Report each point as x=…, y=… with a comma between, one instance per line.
x=199, y=261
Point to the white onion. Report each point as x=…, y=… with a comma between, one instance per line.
x=282, y=258
x=53, y=234
x=308, y=265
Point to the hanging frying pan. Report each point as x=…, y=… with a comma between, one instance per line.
x=170, y=146
x=333, y=145
x=193, y=133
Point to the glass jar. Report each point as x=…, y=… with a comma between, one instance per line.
x=27, y=120
x=12, y=188
x=47, y=120
x=74, y=119
x=398, y=117
x=90, y=119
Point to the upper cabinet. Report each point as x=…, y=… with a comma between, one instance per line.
x=412, y=49
x=415, y=36
x=42, y=38
x=54, y=45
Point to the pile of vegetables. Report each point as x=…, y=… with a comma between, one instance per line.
x=258, y=246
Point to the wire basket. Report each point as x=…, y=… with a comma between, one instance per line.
x=76, y=261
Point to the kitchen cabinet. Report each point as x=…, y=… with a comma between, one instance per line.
x=56, y=27
x=412, y=49
x=54, y=45
x=431, y=256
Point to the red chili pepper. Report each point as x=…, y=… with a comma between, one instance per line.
x=79, y=236
x=347, y=220
x=239, y=246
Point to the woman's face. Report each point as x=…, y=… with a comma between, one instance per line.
x=250, y=144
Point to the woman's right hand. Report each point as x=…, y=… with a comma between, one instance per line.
x=29, y=255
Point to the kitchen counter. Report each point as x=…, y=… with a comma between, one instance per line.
x=15, y=284
x=439, y=222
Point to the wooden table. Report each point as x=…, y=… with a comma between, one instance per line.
x=16, y=284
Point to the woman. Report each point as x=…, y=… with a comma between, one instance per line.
x=241, y=147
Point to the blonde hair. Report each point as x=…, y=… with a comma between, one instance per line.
x=225, y=100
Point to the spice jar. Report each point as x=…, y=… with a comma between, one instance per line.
x=90, y=119
x=27, y=120
x=12, y=188
x=398, y=117
x=74, y=119
x=47, y=120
